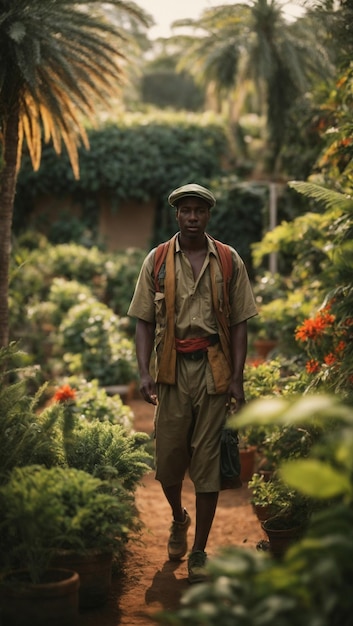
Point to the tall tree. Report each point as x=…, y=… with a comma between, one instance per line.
x=59, y=60
x=232, y=45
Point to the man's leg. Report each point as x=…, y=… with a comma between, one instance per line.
x=206, y=504
x=205, y=511
x=173, y=495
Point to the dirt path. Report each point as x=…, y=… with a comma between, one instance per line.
x=152, y=583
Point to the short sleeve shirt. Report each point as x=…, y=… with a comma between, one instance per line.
x=194, y=314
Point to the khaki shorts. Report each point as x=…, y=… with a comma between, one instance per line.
x=188, y=424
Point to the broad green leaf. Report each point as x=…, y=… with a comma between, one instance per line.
x=264, y=411
x=315, y=478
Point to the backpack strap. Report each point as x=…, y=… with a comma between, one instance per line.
x=159, y=259
x=226, y=261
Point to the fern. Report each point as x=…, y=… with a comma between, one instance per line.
x=331, y=199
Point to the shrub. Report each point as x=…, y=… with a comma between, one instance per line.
x=109, y=452
x=94, y=345
x=47, y=509
x=94, y=404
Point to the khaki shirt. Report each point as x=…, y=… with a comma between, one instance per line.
x=194, y=314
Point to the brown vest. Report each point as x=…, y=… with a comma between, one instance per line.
x=219, y=356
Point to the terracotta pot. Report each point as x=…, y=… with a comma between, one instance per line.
x=280, y=538
x=53, y=601
x=95, y=571
x=247, y=463
x=263, y=511
x=263, y=347
x=267, y=474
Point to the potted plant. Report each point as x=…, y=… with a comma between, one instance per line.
x=31, y=591
x=283, y=442
x=48, y=510
x=264, y=497
x=247, y=454
x=289, y=522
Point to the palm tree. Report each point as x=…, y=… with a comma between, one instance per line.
x=235, y=45
x=59, y=60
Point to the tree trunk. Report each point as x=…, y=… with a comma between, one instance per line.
x=8, y=177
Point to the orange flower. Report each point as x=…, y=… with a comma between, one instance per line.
x=312, y=366
x=64, y=393
x=327, y=318
x=310, y=329
x=341, y=346
x=330, y=358
x=256, y=361
x=313, y=328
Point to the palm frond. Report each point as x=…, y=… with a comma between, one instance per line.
x=59, y=60
x=331, y=199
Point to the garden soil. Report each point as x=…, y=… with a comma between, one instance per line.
x=151, y=583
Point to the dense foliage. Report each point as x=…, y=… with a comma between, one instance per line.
x=144, y=157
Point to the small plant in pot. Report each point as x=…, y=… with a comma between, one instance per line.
x=47, y=510
x=265, y=497
x=289, y=522
x=284, y=442
x=249, y=439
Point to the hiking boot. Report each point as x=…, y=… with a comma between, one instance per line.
x=196, y=567
x=177, y=544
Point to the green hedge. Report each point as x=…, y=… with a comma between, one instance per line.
x=144, y=157
x=139, y=157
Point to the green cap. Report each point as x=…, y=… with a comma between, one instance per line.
x=191, y=190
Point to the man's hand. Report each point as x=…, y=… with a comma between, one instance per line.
x=148, y=390
x=236, y=398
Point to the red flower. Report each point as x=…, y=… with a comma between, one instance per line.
x=330, y=358
x=313, y=328
x=340, y=348
x=64, y=393
x=310, y=329
x=312, y=366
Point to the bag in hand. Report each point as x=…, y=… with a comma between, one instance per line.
x=230, y=460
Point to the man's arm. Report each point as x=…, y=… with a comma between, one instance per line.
x=239, y=347
x=144, y=345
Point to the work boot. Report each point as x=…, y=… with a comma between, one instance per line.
x=177, y=544
x=196, y=567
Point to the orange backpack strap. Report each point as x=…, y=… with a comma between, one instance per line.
x=225, y=257
x=159, y=259
x=226, y=261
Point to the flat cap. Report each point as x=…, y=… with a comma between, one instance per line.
x=191, y=190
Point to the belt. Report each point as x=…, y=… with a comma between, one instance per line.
x=197, y=355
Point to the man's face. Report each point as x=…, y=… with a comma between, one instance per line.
x=192, y=215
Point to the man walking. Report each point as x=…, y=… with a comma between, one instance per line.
x=193, y=313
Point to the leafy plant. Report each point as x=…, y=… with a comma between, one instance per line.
x=92, y=403
x=266, y=493
x=109, y=452
x=94, y=345
x=47, y=509
x=285, y=502
x=263, y=379
x=68, y=430
x=311, y=583
x=27, y=435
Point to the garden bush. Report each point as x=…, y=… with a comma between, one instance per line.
x=94, y=345
x=40, y=428
x=48, y=283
